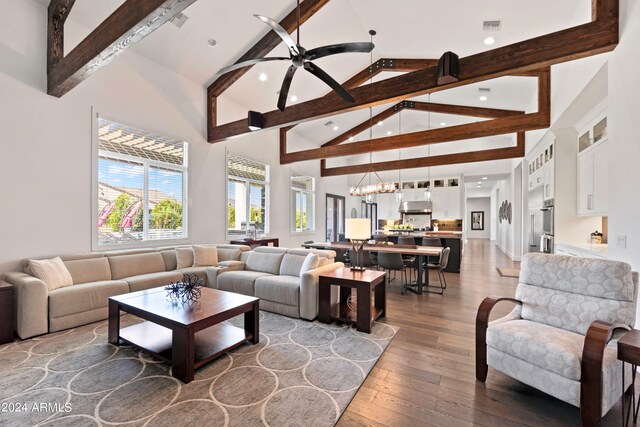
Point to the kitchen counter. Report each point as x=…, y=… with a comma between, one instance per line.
x=421, y=234
x=583, y=249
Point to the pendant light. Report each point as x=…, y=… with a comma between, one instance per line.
x=380, y=187
x=427, y=192
x=399, y=189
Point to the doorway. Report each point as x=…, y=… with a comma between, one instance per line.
x=334, y=225
x=370, y=210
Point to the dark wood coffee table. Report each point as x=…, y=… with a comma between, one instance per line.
x=185, y=335
x=364, y=312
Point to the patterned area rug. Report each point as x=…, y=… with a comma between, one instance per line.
x=508, y=272
x=301, y=373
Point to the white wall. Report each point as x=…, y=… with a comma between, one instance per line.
x=505, y=231
x=45, y=154
x=624, y=146
x=478, y=204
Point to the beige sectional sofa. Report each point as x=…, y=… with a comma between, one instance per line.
x=274, y=275
x=97, y=276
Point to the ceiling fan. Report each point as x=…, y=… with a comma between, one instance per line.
x=301, y=58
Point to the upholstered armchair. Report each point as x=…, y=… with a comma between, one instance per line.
x=560, y=337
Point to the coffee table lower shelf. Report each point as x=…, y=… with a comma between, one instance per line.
x=342, y=312
x=209, y=344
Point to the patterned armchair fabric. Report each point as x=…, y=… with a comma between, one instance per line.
x=540, y=342
x=570, y=293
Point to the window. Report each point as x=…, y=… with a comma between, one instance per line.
x=247, y=196
x=303, y=198
x=141, y=186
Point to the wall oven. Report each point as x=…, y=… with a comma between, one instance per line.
x=546, y=240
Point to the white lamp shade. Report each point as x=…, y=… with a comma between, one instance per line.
x=357, y=228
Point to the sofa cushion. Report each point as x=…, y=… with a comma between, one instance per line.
x=240, y=282
x=264, y=262
x=52, y=272
x=136, y=264
x=322, y=253
x=291, y=265
x=89, y=270
x=184, y=257
x=201, y=272
x=549, y=348
x=169, y=258
x=280, y=289
x=152, y=280
x=228, y=254
x=205, y=256
x=85, y=297
x=311, y=262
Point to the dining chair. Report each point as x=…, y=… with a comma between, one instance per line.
x=439, y=267
x=409, y=260
x=389, y=261
x=431, y=241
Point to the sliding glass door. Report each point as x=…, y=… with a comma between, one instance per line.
x=334, y=230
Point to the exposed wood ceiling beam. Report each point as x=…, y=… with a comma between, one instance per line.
x=459, y=110
x=593, y=38
x=388, y=64
x=58, y=13
x=513, y=123
x=130, y=23
x=419, y=162
x=266, y=44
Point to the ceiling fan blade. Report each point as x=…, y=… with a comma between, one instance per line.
x=319, y=73
x=284, y=35
x=333, y=49
x=250, y=62
x=284, y=90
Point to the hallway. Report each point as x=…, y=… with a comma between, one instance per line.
x=427, y=374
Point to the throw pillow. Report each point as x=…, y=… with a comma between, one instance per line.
x=205, y=256
x=310, y=263
x=52, y=272
x=184, y=258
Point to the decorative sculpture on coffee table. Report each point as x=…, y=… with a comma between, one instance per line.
x=186, y=290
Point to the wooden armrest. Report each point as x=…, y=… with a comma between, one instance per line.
x=482, y=322
x=598, y=336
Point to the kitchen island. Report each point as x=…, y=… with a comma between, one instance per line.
x=448, y=239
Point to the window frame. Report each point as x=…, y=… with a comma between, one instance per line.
x=292, y=202
x=97, y=153
x=248, y=181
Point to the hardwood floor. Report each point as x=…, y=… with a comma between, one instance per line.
x=427, y=375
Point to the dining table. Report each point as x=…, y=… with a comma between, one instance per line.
x=420, y=252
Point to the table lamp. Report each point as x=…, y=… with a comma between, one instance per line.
x=358, y=231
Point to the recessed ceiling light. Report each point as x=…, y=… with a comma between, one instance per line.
x=389, y=132
x=336, y=127
x=485, y=177
x=479, y=183
x=212, y=43
x=489, y=41
x=443, y=124
x=483, y=98
x=263, y=77
x=294, y=98
x=380, y=123
x=351, y=138
x=484, y=93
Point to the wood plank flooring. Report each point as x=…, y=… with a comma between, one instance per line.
x=426, y=377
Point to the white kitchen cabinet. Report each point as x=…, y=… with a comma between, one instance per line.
x=593, y=181
x=548, y=184
x=388, y=206
x=447, y=203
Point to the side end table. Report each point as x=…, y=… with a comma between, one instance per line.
x=629, y=352
x=367, y=283
x=6, y=313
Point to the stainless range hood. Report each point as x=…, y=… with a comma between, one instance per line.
x=420, y=207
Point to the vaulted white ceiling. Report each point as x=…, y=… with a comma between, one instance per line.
x=406, y=29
